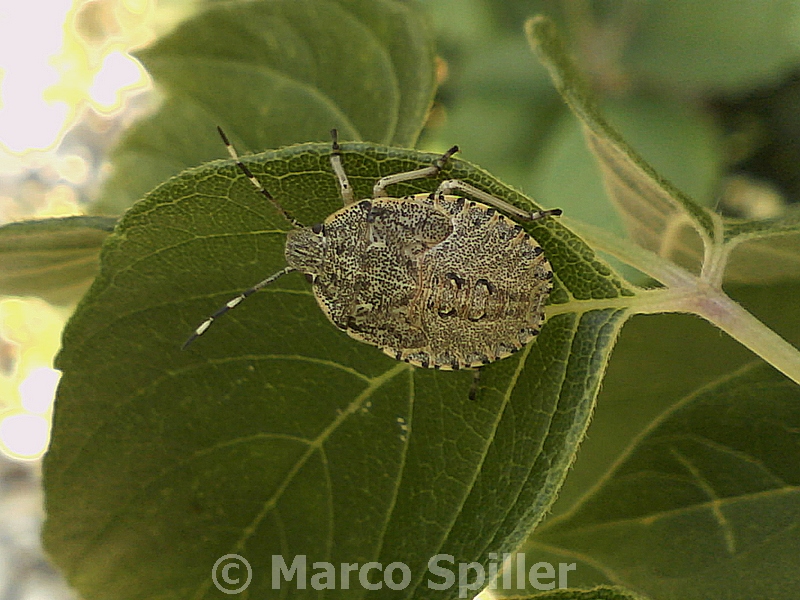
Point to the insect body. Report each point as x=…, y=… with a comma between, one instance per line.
x=436, y=280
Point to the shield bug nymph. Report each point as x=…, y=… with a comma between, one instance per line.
x=436, y=280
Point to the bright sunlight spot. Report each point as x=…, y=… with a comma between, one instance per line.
x=49, y=71
x=63, y=64
x=30, y=330
x=25, y=435
x=31, y=33
x=120, y=72
x=38, y=390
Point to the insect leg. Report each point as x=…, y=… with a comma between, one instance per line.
x=380, y=186
x=233, y=303
x=454, y=185
x=256, y=183
x=338, y=168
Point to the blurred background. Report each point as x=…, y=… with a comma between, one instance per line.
x=68, y=86
x=709, y=95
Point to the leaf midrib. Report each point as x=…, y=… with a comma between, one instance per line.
x=316, y=444
x=651, y=518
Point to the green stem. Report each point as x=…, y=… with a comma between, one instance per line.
x=662, y=270
x=687, y=293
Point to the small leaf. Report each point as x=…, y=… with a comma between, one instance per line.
x=656, y=215
x=55, y=259
x=277, y=73
x=705, y=504
x=764, y=251
x=275, y=433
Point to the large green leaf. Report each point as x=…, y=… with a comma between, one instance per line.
x=55, y=259
x=704, y=504
x=659, y=359
x=274, y=73
x=275, y=433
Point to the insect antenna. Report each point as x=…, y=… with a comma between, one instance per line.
x=256, y=183
x=233, y=303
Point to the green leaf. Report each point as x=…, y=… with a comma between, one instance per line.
x=690, y=354
x=55, y=259
x=678, y=142
x=656, y=215
x=704, y=504
x=598, y=593
x=274, y=73
x=764, y=251
x=703, y=47
x=275, y=433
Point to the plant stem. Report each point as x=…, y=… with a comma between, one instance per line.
x=662, y=270
x=690, y=294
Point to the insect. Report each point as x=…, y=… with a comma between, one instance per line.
x=436, y=280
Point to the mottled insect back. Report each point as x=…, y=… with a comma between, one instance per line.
x=435, y=280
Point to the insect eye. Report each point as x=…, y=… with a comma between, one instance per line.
x=318, y=228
